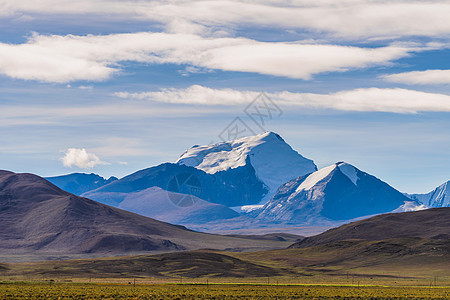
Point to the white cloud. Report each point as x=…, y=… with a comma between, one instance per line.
x=120, y=146
x=80, y=158
x=299, y=60
x=56, y=114
x=68, y=58
x=344, y=18
x=86, y=87
x=194, y=70
x=194, y=94
x=420, y=77
x=368, y=99
x=373, y=99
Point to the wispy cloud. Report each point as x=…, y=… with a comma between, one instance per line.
x=68, y=58
x=80, y=158
x=195, y=94
x=428, y=77
x=120, y=146
x=367, y=99
x=345, y=18
x=86, y=87
x=55, y=114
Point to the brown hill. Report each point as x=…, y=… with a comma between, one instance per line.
x=36, y=217
x=427, y=224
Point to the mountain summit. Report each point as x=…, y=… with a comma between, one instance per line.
x=274, y=162
x=337, y=192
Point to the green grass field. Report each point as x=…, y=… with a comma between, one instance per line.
x=22, y=290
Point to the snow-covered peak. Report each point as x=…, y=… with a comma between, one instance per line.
x=314, y=178
x=349, y=171
x=224, y=156
x=274, y=161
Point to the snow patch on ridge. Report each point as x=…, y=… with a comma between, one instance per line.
x=248, y=208
x=349, y=171
x=314, y=178
x=410, y=206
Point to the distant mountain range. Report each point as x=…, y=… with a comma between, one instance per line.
x=79, y=183
x=260, y=177
x=37, y=217
x=237, y=173
x=233, y=188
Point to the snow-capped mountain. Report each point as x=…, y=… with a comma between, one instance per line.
x=439, y=197
x=233, y=174
x=271, y=159
x=337, y=192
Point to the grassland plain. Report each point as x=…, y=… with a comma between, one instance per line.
x=397, y=261
x=23, y=290
x=390, y=269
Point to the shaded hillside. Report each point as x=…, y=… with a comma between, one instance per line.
x=237, y=187
x=175, y=208
x=428, y=224
x=38, y=217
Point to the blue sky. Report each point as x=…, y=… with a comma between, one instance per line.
x=113, y=87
